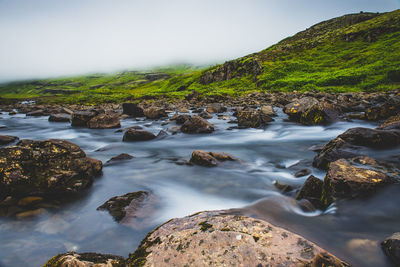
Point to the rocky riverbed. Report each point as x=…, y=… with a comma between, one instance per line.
x=323, y=168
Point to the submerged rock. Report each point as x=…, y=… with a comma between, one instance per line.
x=218, y=239
x=210, y=159
x=120, y=157
x=133, y=135
x=391, y=247
x=130, y=208
x=196, y=124
x=73, y=259
x=45, y=167
x=355, y=142
x=355, y=177
x=7, y=139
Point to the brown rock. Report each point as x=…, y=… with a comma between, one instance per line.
x=252, y=118
x=312, y=191
x=215, y=108
x=60, y=117
x=391, y=247
x=7, y=139
x=155, y=113
x=132, y=109
x=393, y=123
x=196, y=124
x=81, y=118
x=210, y=159
x=73, y=259
x=133, y=135
x=104, y=121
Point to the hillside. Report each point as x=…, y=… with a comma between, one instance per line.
x=357, y=52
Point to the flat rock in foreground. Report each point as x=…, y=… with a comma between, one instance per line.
x=217, y=239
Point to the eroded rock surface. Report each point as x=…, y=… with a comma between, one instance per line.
x=218, y=239
x=73, y=259
x=197, y=124
x=391, y=247
x=133, y=135
x=210, y=159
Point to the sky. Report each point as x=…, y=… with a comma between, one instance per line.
x=50, y=38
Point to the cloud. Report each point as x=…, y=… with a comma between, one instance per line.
x=46, y=38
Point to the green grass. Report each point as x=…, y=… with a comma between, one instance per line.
x=359, y=52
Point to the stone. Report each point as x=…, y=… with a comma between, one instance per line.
x=28, y=201
x=7, y=139
x=50, y=167
x=215, y=108
x=174, y=129
x=311, y=191
x=391, y=247
x=392, y=123
x=37, y=113
x=216, y=238
x=252, y=118
x=155, y=113
x=267, y=111
x=73, y=259
x=133, y=135
x=302, y=172
x=205, y=115
x=181, y=119
x=132, y=109
x=60, y=117
x=81, y=118
x=196, y=124
x=120, y=157
x=210, y=159
x=383, y=111
x=104, y=121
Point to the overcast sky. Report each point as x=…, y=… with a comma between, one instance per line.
x=47, y=38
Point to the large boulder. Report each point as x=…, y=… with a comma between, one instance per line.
x=7, y=139
x=132, y=109
x=355, y=142
x=155, y=113
x=252, y=118
x=73, y=259
x=210, y=159
x=60, y=117
x=104, y=121
x=50, y=167
x=391, y=247
x=383, y=111
x=196, y=124
x=131, y=208
x=267, y=111
x=218, y=239
x=81, y=118
x=310, y=111
x=360, y=176
x=133, y=135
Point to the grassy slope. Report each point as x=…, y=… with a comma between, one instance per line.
x=359, y=52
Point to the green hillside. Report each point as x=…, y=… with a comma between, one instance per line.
x=357, y=52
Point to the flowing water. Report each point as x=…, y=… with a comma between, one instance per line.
x=351, y=230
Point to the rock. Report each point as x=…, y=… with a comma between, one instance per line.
x=360, y=176
x=391, y=247
x=383, y=111
x=120, y=157
x=81, y=118
x=37, y=113
x=267, y=111
x=353, y=142
x=284, y=188
x=28, y=201
x=155, y=113
x=73, y=259
x=7, y=139
x=252, y=118
x=210, y=159
x=196, y=124
x=310, y=111
x=50, y=167
x=30, y=213
x=60, y=117
x=181, y=119
x=393, y=123
x=133, y=135
x=174, y=129
x=104, y=121
x=131, y=206
x=205, y=115
x=224, y=117
x=311, y=191
x=161, y=135
x=132, y=109
x=11, y=113
x=217, y=239
x=215, y=108
x=302, y=172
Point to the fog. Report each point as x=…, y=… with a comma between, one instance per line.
x=48, y=38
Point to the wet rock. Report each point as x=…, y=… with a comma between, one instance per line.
x=252, y=118
x=196, y=124
x=29, y=201
x=310, y=111
x=205, y=115
x=7, y=139
x=11, y=113
x=60, y=117
x=104, y=121
x=51, y=167
x=81, y=118
x=267, y=111
x=161, y=135
x=284, y=188
x=218, y=239
x=311, y=191
x=120, y=157
x=37, y=113
x=155, y=113
x=353, y=143
x=391, y=247
x=133, y=135
x=302, y=172
x=132, y=109
x=174, y=129
x=210, y=159
x=30, y=213
x=224, y=117
x=383, y=111
x=215, y=108
x=73, y=259
x=131, y=206
x=181, y=119
x=360, y=176
x=393, y=123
